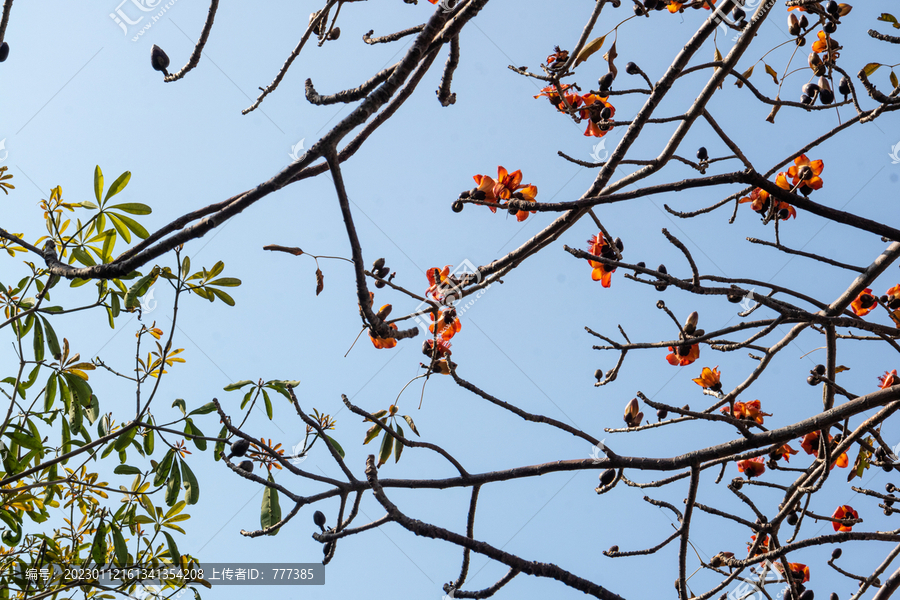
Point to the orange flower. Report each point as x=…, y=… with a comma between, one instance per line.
x=507, y=183
x=752, y=467
x=443, y=348
x=893, y=295
x=683, y=355
x=438, y=280
x=527, y=193
x=825, y=43
x=386, y=342
x=597, y=126
x=813, y=181
x=558, y=56
x=448, y=324
x=888, y=379
x=798, y=570
x=748, y=410
x=598, y=246
x=709, y=379
x=550, y=92
x=784, y=452
x=864, y=303
x=486, y=187
x=843, y=512
x=763, y=545
x=674, y=7
x=810, y=444
x=759, y=200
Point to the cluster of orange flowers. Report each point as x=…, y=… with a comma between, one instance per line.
x=507, y=185
x=865, y=303
x=592, y=107
x=747, y=410
x=598, y=246
x=805, y=177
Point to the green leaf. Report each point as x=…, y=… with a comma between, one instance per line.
x=226, y=282
x=216, y=269
x=185, y=265
x=271, y=509
x=140, y=288
x=127, y=470
x=50, y=392
x=222, y=296
x=180, y=404
x=120, y=226
x=191, y=486
x=174, y=555
x=24, y=440
x=124, y=440
x=80, y=387
x=99, y=548
x=194, y=430
x=409, y=420
x=52, y=340
x=162, y=469
x=132, y=208
x=134, y=226
x=148, y=441
x=38, y=341
x=92, y=411
x=119, y=546
x=75, y=416
x=268, y=403
x=894, y=81
x=83, y=257
x=337, y=446
x=387, y=443
x=220, y=446
x=118, y=185
x=398, y=446
x=204, y=410
x=173, y=485
x=114, y=305
x=237, y=385
x=98, y=182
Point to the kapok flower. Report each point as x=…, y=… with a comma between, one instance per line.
x=526, y=193
x=810, y=444
x=843, y=512
x=810, y=175
x=763, y=545
x=674, y=6
x=559, y=56
x=437, y=278
x=447, y=323
x=798, y=570
x=550, y=92
x=748, y=410
x=598, y=124
x=507, y=183
x=864, y=303
x=442, y=349
x=784, y=452
x=888, y=379
x=710, y=379
x=683, y=355
x=760, y=199
x=752, y=467
x=383, y=342
x=598, y=246
x=485, y=190
x=824, y=43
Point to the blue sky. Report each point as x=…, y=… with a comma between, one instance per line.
x=79, y=92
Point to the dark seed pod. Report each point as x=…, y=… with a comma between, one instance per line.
x=833, y=596
x=457, y=206
x=662, y=414
x=829, y=27
x=319, y=519
x=801, y=41
x=879, y=453
x=734, y=298
x=662, y=269
x=890, y=488
x=598, y=374
x=812, y=380
x=804, y=22
x=606, y=113
x=642, y=264
x=783, y=214
x=793, y=24
x=820, y=369
x=810, y=89
x=464, y=194
x=383, y=272
x=805, y=100
x=619, y=244
x=638, y=10
x=792, y=519
x=832, y=8
x=844, y=86
x=836, y=553
x=478, y=195
x=380, y=284
x=702, y=154
x=607, y=476
x=612, y=550
x=605, y=82
x=884, y=299
x=867, y=301
x=889, y=501
x=738, y=13
x=378, y=265
x=159, y=59
x=737, y=484
x=887, y=512
x=661, y=287
x=334, y=34
x=246, y=465
x=887, y=468
x=816, y=64
x=650, y=4
x=4, y=51
x=807, y=595
x=826, y=97
x=632, y=69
